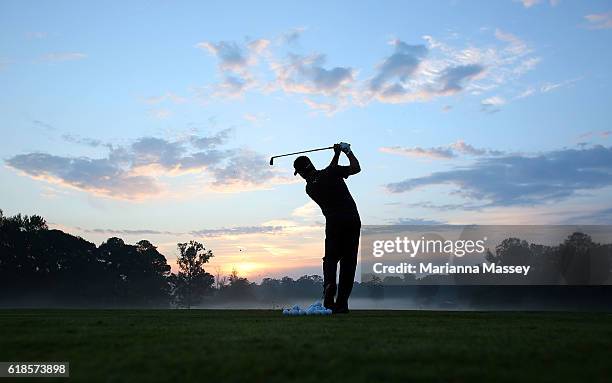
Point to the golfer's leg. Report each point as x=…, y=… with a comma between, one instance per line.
x=330, y=266
x=348, y=264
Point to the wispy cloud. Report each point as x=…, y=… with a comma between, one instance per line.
x=550, y=86
x=594, y=134
x=438, y=153
x=238, y=231
x=524, y=180
x=206, y=233
x=546, y=87
x=36, y=35
x=308, y=75
x=43, y=125
x=160, y=113
x=421, y=73
x=410, y=73
x=530, y=91
x=293, y=35
x=599, y=20
x=127, y=231
x=63, y=56
x=256, y=118
x=416, y=221
x=235, y=62
x=442, y=206
x=76, y=139
x=167, y=97
x=492, y=104
x=399, y=66
x=310, y=211
x=134, y=171
x=531, y=3
x=327, y=108
x=453, y=150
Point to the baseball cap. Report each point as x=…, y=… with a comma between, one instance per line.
x=301, y=163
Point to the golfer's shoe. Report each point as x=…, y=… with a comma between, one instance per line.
x=328, y=296
x=340, y=309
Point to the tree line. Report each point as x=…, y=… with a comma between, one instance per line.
x=47, y=267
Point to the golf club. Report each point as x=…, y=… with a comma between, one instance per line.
x=304, y=151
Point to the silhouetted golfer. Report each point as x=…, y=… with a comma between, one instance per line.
x=327, y=188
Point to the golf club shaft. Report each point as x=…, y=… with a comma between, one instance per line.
x=304, y=151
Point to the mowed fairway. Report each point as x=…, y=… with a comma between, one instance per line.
x=263, y=346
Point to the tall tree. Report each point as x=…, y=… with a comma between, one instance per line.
x=192, y=282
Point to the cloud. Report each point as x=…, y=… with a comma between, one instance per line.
x=209, y=142
x=307, y=75
x=36, y=35
x=453, y=150
x=43, y=124
x=407, y=76
x=160, y=113
x=524, y=180
x=256, y=118
x=526, y=65
x=416, y=221
x=233, y=86
x=168, y=97
x=548, y=87
x=531, y=3
x=231, y=56
x=545, y=88
x=324, y=107
x=464, y=148
x=99, y=176
x=526, y=93
x=417, y=72
x=599, y=20
x=293, y=35
x=127, y=231
x=310, y=211
x=234, y=62
x=243, y=167
x=432, y=153
x=134, y=171
x=594, y=134
x=442, y=207
x=400, y=66
x=76, y=139
x=491, y=104
x=599, y=217
x=238, y=230
x=216, y=232
x=63, y=56
x=414, y=73
x=453, y=78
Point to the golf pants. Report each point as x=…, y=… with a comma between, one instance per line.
x=341, y=245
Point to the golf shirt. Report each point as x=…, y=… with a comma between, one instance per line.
x=327, y=188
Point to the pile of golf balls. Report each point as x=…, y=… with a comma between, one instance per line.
x=316, y=308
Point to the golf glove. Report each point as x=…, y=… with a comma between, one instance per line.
x=346, y=148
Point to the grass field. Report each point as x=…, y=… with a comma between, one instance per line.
x=263, y=346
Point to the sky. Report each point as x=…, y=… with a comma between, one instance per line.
x=157, y=119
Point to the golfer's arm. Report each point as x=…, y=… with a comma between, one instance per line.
x=353, y=163
x=335, y=159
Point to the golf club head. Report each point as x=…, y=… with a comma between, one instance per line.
x=271, y=160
